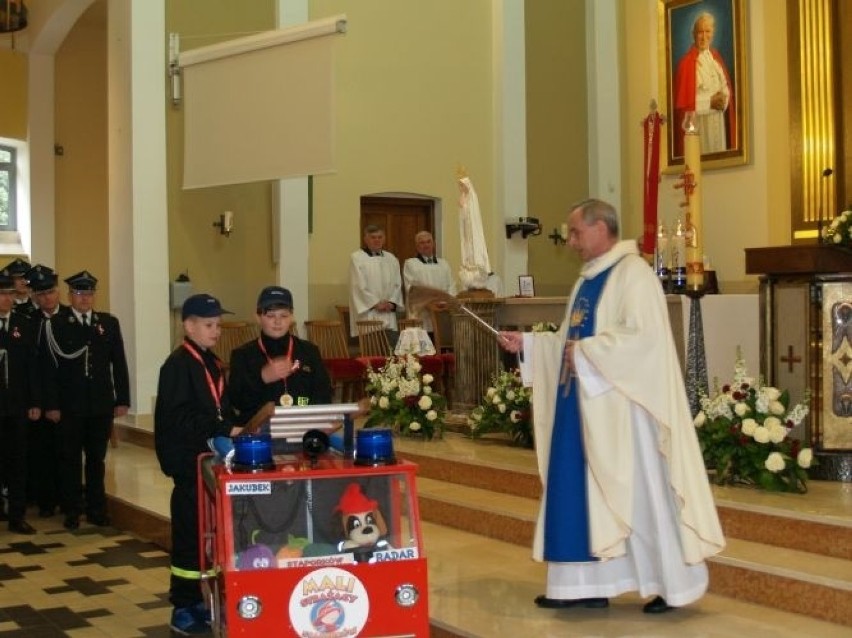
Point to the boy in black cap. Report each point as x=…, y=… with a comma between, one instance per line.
x=19, y=401
x=88, y=386
x=192, y=406
x=278, y=366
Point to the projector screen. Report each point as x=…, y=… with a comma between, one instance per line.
x=260, y=108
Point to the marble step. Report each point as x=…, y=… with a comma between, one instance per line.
x=815, y=585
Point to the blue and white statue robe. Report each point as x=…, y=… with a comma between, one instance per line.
x=649, y=519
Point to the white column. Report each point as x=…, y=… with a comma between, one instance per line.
x=42, y=239
x=510, y=117
x=604, y=110
x=291, y=205
x=138, y=207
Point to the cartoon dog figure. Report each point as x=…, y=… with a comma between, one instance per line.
x=362, y=523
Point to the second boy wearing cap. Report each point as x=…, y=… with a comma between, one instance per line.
x=193, y=405
x=88, y=385
x=278, y=366
x=20, y=400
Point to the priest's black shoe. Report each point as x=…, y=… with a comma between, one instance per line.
x=71, y=522
x=563, y=603
x=657, y=606
x=21, y=527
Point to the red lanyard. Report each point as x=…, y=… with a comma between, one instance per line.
x=216, y=390
x=265, y=354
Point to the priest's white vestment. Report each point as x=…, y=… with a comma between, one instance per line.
x=652, y=519
x=373, y=278
x=435, y=274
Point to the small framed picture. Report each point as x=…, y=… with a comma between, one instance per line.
x=526, y=287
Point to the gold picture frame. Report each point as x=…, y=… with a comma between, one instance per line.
x=723, y=118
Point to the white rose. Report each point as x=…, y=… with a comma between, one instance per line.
x=416, y=366
x=496, y=399
x=427, y=389
x=749, y=426
x=374, y=399
x=501, y=408
x=490, y=392
x=776, y=435
x=774, y=462
x=514, y=416
x=772, y=422
x=761, y=434
x=431, y=415
x=700, y=419
x=510, y=395
x=837, y=238
x=414, y=426
x=741, y=409
x=428, y=378
x=425, y=402
x=384, y=402
x=776, y=407
x=805, y=458
x=771, y=393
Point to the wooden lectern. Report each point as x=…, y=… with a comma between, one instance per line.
x=806, y=343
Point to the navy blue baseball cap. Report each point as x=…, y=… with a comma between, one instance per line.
x=274, y=296
x=204, y=306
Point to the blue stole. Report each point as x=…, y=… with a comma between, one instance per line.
x=566, y=516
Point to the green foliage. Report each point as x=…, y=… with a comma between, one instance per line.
x=504, y=408
x=743, y=432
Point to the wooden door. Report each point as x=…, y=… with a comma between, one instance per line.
x=401, y=218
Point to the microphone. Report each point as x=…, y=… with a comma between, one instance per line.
x=826, y=172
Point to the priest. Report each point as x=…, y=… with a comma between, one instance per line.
x=626, y=503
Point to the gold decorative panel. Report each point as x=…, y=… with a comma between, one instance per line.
x=837, y=366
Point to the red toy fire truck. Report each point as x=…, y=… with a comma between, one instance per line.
x=312, y=542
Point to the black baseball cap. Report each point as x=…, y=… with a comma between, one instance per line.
x=204, y=306
x=274, y=296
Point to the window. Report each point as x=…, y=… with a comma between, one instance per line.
x=8, y=188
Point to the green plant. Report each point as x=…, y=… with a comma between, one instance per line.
x=504, y=408
x=402, y=398
x=743, y=431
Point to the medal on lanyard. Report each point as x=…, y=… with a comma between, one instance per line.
x=216, y=390
x=286, y=399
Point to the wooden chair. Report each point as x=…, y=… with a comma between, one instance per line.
x=351, y=342
x=442, y=337
x=234, y=334
x=347, y=373
x=373, y=343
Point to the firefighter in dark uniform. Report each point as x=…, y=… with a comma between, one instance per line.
x=88, y=388
x=192, y=406
x=278, y=366
x=45, y=433
x=19, y=401
x=17, y=269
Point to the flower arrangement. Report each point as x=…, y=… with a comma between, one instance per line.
x=403, y=398
x=545, y=326
x=743, y=432
x=504, y=408
x=839, y=231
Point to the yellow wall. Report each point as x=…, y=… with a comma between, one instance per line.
x=234, y=268
x=82, y=225
x=557, y=141
x=414, y=100
x=13, y=105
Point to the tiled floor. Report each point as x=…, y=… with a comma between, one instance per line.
x=98, y=582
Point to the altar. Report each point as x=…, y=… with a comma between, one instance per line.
x=806, y=341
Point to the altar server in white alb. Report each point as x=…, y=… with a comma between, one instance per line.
x=375, y=285
x=626, y=503
x=427, y=269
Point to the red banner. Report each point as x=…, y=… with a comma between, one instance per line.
x=651, y=128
